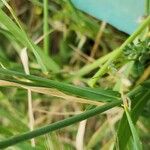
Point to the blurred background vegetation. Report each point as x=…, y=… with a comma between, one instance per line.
x=75, y=40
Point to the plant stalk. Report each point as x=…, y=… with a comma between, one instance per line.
x=46, y=28
x=118, y=52
x=57, y=125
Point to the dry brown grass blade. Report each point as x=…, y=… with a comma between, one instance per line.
x=80, y=135
x=52, y=92
x=25, y=63
x=98, y=39
x=144, y=76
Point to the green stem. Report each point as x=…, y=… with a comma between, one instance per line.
x=46, y=28
x=89, y=67
x=57, y=125
x=118, y=52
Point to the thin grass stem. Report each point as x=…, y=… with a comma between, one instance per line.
x=46, y=28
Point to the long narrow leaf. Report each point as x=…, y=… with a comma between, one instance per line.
x=136, y=139
x=89, y=93
x=22, y=37
x=57, y=125
x=139, y=99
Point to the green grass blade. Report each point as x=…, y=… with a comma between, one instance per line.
x=84, y=92
x=46, y=28
x=136, y=139
x=57, y=125
x=143, y=96
x=21, y=37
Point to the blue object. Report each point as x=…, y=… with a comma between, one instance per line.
x=125, y=15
